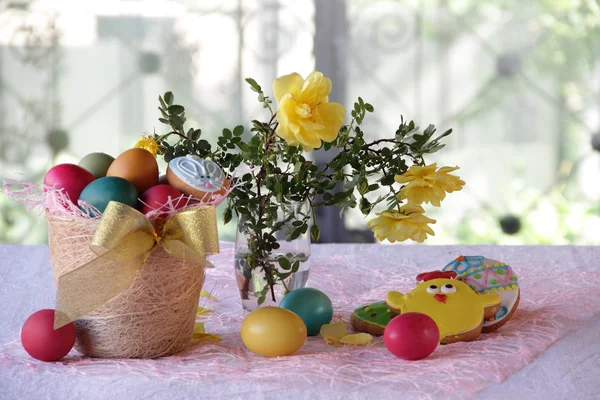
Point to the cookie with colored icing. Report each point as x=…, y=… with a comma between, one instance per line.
x=485, y=275
x=427, y=276
x=201, y=178
x=372, y=318
x=456, y=309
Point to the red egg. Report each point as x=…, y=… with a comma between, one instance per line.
x=69, y=177
x=411, y=336
x=157, y=196
x=44, y=343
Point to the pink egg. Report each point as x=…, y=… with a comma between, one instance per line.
x=411, y=336
x=42, y=342
x=69, y=177
x=157, y=196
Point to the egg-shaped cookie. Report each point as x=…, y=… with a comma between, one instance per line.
x=201, y=178
x=485, y=275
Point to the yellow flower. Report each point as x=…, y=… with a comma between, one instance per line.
x=148, y=143
x=305, y=115
x=426, y=185
x=408, y=223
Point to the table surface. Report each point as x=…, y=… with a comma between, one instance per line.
x=549, y=350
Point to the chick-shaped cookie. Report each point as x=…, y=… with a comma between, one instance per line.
x=456, y=309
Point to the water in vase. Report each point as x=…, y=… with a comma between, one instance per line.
x=251, y=283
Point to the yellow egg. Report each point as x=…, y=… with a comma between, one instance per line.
x=273, y=331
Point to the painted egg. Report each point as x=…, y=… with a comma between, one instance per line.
x=311, y=305
x=273, y=332
x=411, y=336
x=138, y=166
x=69, y=177
x=111, y=188
x=42, y=342
x=159, y=197
x=96, y=163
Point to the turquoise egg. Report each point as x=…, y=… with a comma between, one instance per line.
x=104, y=190
x=96, y=163
x=311, y=305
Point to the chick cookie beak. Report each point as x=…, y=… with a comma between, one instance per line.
x=440, y=297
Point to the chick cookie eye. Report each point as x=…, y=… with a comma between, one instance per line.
x=449, y=288
x=433, y=289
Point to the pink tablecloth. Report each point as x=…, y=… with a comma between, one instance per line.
x=560, y=298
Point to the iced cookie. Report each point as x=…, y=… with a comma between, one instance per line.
x=456, y=309
x=372, y=318
x=198, y=177
x=484, y=276
x=427, y=276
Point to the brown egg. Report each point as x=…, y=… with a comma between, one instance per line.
x=138, y=166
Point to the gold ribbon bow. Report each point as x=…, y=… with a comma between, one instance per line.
x=123, y=242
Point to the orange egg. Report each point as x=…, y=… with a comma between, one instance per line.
x=138, y=166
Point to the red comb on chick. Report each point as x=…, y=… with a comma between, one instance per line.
x=427, y=276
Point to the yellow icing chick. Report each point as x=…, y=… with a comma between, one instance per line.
x=456, y=309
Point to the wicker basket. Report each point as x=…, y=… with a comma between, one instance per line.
x=154, y=317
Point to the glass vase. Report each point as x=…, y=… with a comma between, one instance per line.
x=251, y=282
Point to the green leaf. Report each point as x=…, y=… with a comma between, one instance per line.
x=284, y=263
x=293, y=234
x=251, y=260
x=227, y=133
x=168, y=96
x=296, y=266
x=176, y=109
x=196, y=134
x=365, y=206
x=162, y=103
x=315, y=233
x=369, y=108
x=227, y=215
x=253, y=85
x=238, y=130
x=164, y=121
x=443, y=135
x=261, y=299
x=363, y=186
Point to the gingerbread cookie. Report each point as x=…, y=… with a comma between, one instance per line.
x=456, y=309
x=198, y=177
x=485, y=275
x=427, y=276
x=372, y=318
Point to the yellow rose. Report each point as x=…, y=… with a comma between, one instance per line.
x=305, y=115
x=148, y=143
x=426, y=185
x=408, y=223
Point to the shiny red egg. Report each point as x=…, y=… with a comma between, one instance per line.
x=411, y=336
x=157, y=196
x=69, y=177
x=44, y=343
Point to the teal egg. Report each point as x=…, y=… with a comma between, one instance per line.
x=96, y=163
x=311, y=305
x=111, y=188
